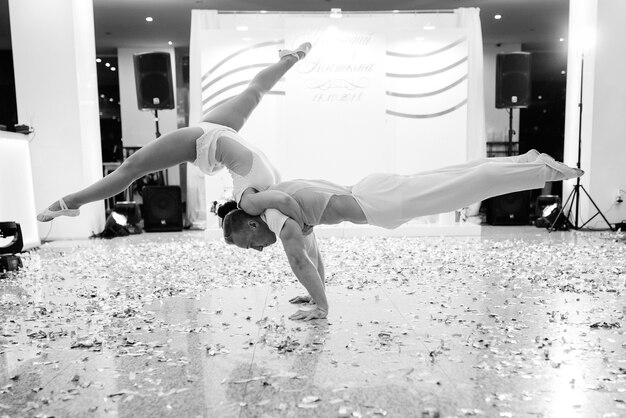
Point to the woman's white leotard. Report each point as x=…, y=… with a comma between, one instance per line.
x=262, y=173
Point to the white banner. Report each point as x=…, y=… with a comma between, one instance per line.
x=377, y=93
x=335, y=99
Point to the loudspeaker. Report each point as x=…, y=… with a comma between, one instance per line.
x=162, y=208
x=513, y=80
x=153, y=79
x=509, y=209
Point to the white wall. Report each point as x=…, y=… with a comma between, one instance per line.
x=138, y=126
x=497, y=120
x=597, y=30
x=61, y=103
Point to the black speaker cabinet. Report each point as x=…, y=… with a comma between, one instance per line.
x=513, y=80
x=509, y=209
x=153, y=79
x=162, y=209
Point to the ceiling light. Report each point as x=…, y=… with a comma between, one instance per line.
x=149, y=19
x=107, y=64
x=497, y=17
x=561, y=39
x=113, y=68
x=169, y=42
x=102, y=96
x=242, y=28
x=111, y=100
x=395, y=11
x=562, y=71
x=263, y=11
x=98, y=60
x=335, y=13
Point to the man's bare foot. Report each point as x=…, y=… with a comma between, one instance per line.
x=529, y=157
x=557, y=171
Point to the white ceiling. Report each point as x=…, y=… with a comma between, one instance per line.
x=121, y=23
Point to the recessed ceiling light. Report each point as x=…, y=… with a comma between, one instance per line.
x=113, y=68
x=242, y=28
x=98, y=60
x=169, y=42
x=497, y=17
x=102, y=96
x=562, y=71
x=107, y=64
x=561, y=39
x=149, y=19
x=263, y=11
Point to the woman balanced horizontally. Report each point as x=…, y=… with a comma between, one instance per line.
x=211, y=145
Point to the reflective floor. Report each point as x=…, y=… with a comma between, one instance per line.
x=515, y=323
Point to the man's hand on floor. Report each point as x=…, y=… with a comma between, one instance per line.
x=301, y=299
x=316, y=313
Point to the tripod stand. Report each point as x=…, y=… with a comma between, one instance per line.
x=574, y=196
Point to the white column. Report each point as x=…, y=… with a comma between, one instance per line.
x=57, y=93
x=596, y=32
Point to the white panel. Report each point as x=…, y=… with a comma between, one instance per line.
x=17, y=198
x=56, y=87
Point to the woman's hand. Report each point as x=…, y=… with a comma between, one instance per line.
x=317, y=313
x=301, y=299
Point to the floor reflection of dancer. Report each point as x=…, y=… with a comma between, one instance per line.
x=386, y=200
x=212, y=145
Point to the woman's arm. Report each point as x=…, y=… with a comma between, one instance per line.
x=256, y=203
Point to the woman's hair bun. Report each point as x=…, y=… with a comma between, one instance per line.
x=227, y=207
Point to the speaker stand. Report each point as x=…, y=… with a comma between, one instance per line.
x=574, y=195
x=163, y=176
x=511, y=132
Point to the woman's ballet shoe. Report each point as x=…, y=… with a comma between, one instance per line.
x=558, y=171
x=48, y=215
x=300, y=52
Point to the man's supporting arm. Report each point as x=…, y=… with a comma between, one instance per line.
x=302, y=266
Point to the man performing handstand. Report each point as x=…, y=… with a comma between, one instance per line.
x=386, y=200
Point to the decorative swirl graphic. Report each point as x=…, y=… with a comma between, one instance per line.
x=427, y=115
x=239, y=52
x=456, y=64
x=431, y=93
x=427, y=54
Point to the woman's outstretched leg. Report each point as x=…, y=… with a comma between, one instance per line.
x=234, y=112
x=170, y=149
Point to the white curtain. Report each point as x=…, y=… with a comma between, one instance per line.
x=476, y=131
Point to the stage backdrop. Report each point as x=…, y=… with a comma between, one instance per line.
x=396, y=92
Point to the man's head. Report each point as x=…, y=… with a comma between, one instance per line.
x=247, y=231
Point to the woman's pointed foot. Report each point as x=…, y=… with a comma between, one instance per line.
x=300, y=52
x=557, y=171
x=58, y=208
